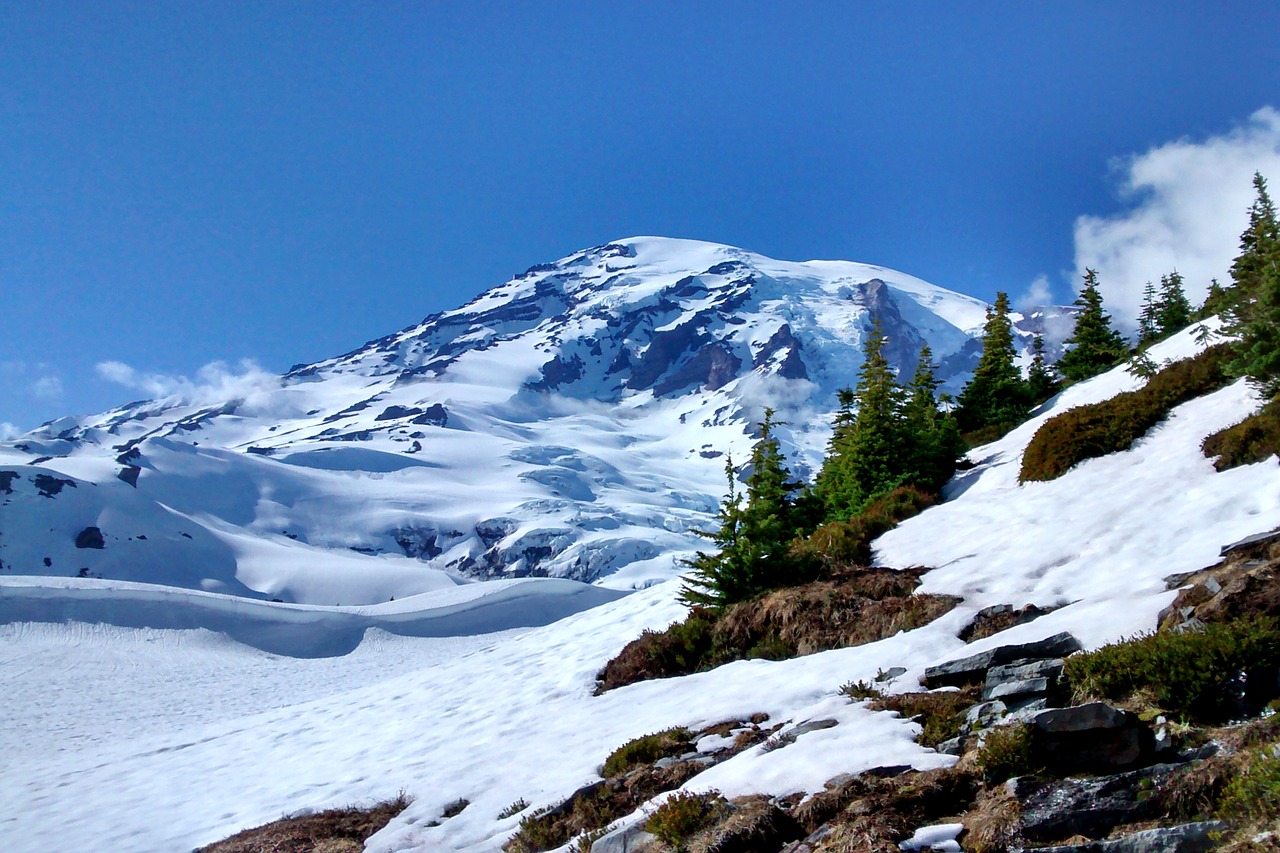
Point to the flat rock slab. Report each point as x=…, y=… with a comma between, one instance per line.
x=1186, y=838
x=1083, y=718
x=1090, y=806
x=973, y=669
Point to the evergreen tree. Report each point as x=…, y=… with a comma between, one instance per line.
x=1095, y=344
x=1216, y=301
x=1148, y=317
x=996, y=395
x=931, y=438
x=1173, y=310
x=1042, y=382
x=754, y=537
x=864, y=457
x=1253, y=315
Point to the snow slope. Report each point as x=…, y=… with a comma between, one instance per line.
x=570, y=422
x=502, y=717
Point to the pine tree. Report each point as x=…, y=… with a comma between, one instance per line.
x=1095, y=344
x=865, y=457
x=1216, y=301
x=1173, y=310
x=1253, y=314
x=754, y=537
x=996, y=394
x=1041, y=379
x=931, y=438
x=1148, y=317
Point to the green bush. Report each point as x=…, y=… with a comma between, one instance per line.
x=646, y=750
x=1255, y=793
x=850, y=541
x=940, y=715
x=1255, y=439
x=1006, y=752
x=856, y=691
x=1210, y=675
x=683, y=814
x=1113, y=425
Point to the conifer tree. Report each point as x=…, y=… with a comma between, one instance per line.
x=865, y=457
x=1042, y=382
x=1253, y=314
x=996, y=395
x=931, y=438
x=1173, y=310
x=754, y=536
x=1216, y=301
x=1148, y=322
x=1095, y=344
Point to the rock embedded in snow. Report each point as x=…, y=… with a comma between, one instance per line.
x=973, y=669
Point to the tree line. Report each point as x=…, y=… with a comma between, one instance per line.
x=887, y=435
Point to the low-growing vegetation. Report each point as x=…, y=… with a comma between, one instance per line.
x=683, y=814
x=334, y=830
x=940, y=714
x=1221, y=672
x=856, y=606
x=1006, y=752
x=646, y=750
x=1113, y=425
x=1255, y=439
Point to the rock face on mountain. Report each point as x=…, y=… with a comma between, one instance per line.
x=571, y=422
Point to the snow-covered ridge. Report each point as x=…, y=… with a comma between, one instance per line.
x=570, y=422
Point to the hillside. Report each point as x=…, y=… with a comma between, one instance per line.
x=154, y=738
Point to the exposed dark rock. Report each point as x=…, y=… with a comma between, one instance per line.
x=392, y=413
x=1090, y=738
x=129, y=474
x=557, y=372
x=792, y=365
x=1244, y=584
x=1186, y=838
x=261, y=451
x=972, y=670
x=1023, y=679
x=129, y=456
x=433, y=415
x=50, y=486
x=711, y=367
x=90, y=537
x=417, y=542
x=6, y=481
x=990, y=621
x=1090, y=806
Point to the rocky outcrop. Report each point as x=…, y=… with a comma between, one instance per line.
x=1243, y=584
x=973, y=669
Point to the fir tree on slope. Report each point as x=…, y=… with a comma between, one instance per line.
x=864, y=455
x=1148, y=317
x=1095, y=344
x=932, y=437
x=1042, y=380
x=996, y=394
x=753, y=537
x=1253, y=313
x=1173, y=310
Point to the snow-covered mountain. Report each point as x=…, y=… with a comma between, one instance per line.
x=570, y=422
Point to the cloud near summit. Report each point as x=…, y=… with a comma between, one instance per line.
x=215, y=382
x=1189, y=201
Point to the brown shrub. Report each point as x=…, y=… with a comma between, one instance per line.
x=1113, y=425
x=849, y=542
x=994, y=824
x=1255, y=439
x=337, y=830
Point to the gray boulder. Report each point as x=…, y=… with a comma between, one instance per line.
x=973, y=669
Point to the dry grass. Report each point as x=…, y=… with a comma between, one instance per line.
x=994, y=824
x=332, y=831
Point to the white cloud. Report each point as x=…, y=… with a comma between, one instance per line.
x=1190, y=202
x=1037, y=294
x=214, y=383
x=47, y=387
x=8, y=431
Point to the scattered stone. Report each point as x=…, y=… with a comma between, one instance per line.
x=990, y=621
x=973, y=669
x=813, y=726
x=624, y=839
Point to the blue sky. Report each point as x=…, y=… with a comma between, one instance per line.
x=190, y=183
